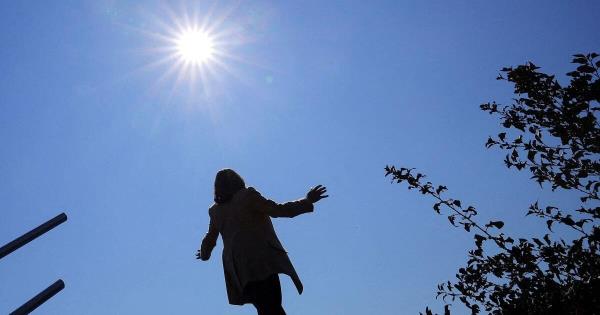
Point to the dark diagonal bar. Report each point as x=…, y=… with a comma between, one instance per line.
x=31, y=235
x=39, y=299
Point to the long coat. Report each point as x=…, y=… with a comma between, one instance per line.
x=251, y=249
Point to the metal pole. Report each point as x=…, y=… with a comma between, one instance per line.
x=31, y=235
x=39, y=299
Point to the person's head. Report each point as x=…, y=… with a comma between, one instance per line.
x=227, y=183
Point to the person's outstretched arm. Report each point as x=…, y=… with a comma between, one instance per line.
x=289, y=209
x=209, y=241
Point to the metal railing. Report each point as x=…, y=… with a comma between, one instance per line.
x=22, y=240
x=39, y=299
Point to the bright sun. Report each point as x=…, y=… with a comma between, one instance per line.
x=195, y=47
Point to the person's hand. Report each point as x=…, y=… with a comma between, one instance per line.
x=316, y=193
x=198, y=255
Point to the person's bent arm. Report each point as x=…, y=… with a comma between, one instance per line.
x=209, y=241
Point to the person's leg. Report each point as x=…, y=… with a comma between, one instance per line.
x=273, y=295
x=262, y=309
x=253, y=291
x=266, y=296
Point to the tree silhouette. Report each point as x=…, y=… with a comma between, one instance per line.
x=555, y=135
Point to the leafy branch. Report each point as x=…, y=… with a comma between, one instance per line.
x=556, y=137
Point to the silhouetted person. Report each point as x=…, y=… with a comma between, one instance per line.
x=253, y=257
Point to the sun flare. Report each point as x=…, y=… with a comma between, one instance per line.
x=195, y=47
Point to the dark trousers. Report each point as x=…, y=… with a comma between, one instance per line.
x=266, y=295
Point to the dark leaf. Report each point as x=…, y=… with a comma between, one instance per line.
x=531, y=155
x=440, y=189
x=451, y=219
x=547, y=239
x=567, y=221
x=586, y=69
x=549, y=223
x=467, y=227
x=479, y=240
x=496, y=224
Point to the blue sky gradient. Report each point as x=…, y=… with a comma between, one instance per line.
x=320, y=92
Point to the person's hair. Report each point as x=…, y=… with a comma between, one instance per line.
x=227, y=183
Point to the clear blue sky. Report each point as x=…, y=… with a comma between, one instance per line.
x=313, y=92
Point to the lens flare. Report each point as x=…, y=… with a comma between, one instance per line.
x=195, y=47
x=194, y=51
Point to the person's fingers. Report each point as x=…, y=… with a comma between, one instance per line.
x=317, y=193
